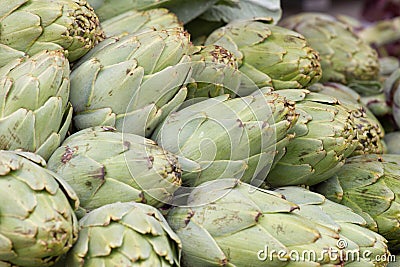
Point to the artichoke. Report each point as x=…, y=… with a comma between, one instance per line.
x=369, y=131
x=223, y=138
x=131, y=83
x=134, y=21
x=235, y=224
x=324, y=136
x=125, y=234
x=38, y=224
x=35, y=114
x=268, y=54
x=345, y=57
x=215, y=72
x=104, y=166
x=370, y=185
x=30, y=26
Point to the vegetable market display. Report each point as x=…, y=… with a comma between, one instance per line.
x=197, y=133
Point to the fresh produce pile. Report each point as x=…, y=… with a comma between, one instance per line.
x=197, y=133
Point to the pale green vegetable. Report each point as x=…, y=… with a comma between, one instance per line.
x=38, y=224
x=132, y=83
x=370, y=185
x=30, y=26
x=268, y=54
x=104, y=166
x=35, y=114
x=125, y=234
x=228, y=223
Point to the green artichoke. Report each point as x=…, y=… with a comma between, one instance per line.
x=134, y=21
x=30, y=26
x=38, y=224
x=104, y=166
x=131, y=83
x=235, y=224
x=369, y=131
x=370, y=185
x=34, y=112
x=268, y=54
x=345, y=58
x=215, y=72
x=225, y=138
x=324, y=136
x=125, y=234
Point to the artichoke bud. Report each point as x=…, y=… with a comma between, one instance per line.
x=133, y=82
x=226, y=217
x=324, y=136
x=133, y=169
x=127, y=233
x=369, y=184
x=268, y=54
x=345, y=58
x=227, y=137
x=38, y=224
x=368, y=129
x=35, y=105
x=69, y=25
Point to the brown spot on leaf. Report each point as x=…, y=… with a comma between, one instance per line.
x=259, y=214
x=189, y=216
x=68, y=154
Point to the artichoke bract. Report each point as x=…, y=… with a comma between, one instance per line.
x=324, y=136
x=134, y=21
x=30, y=26
x=235, y=224
x=222, y=137
x=368, y=129
x=268, y=54
x=370, y=185
x=132, y=169
x=215, y=72
x=35, y=114
x=131, y=83
x=38, y=224
x=125, y=234
x=345, y=58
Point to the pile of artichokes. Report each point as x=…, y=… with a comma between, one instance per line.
x=195, y=133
